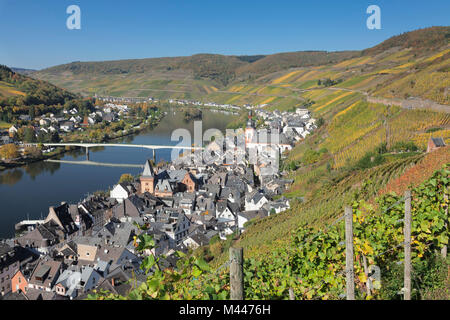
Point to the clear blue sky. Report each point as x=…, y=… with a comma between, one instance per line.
x=33, y=33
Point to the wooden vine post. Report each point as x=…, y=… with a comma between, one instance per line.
x=444, y=248
x=349, y=253
x=407, y=246
x=237, y=274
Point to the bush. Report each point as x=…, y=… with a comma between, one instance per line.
x=216, y=249
x=33, y=152
x=126, y=177
x=370, y=159
x=427, y=280
x=320, y=122
x=311, y=156
x=404, y=146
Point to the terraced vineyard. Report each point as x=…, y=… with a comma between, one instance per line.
x=350, y=160
x=310, y=262
x=322, y=204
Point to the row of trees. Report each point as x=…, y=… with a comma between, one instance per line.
x=11, y=151
x=27, y=134
x=328, y=82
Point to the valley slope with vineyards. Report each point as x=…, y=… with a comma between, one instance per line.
x=378, y=110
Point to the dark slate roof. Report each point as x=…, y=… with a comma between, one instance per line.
x=256, y=196
x=17, y=296
x=64, y=216
x=234, y=207
x=11, y=255
x=4, y=249
x=222, y=205
x=438, y=142
x=164, y=185
x=212, y=188
x=177, y=175
x=44, y=231
x=199, y=238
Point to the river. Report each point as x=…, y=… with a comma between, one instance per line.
x=27, y=192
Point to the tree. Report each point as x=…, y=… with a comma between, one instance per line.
x=42, y=137
x=126, y=177
x=33, y=152
x=32, y=113
x=9, y=151
x=55, y=137
x=28, y=135
x=320, y=122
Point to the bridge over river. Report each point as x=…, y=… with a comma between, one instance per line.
x=120, y=145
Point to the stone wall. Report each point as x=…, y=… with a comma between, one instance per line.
x=413, y=103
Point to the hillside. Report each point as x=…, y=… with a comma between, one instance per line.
x=17, y=89
x=23, y=71
x=364, y=150
x=378, y=109
x=22, y=95
x=414, y=64
x=422, y=40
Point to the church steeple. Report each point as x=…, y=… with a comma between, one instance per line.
x=147, y=178
x=250, y=129
x=148, y=170
x=250, y=122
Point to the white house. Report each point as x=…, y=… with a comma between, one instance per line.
x=120, y=192
x=195, y=240
x=277, y=206
x=226, y=212
x=255, y=201
x=13, y=130
x=225, y=232
x=44, y=122
x=67, y=126
x=68, y=283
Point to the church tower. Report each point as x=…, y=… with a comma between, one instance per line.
x=250, y=129
x=147, y=178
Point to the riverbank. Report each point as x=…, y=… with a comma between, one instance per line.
x=60, y=151
x=45, y=184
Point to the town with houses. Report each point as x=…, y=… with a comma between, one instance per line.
x=181, y=102
x=91, y=245
x=69, y=121
x=115, y=108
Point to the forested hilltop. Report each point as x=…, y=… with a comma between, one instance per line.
x=23, y=95
x=22, y=90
